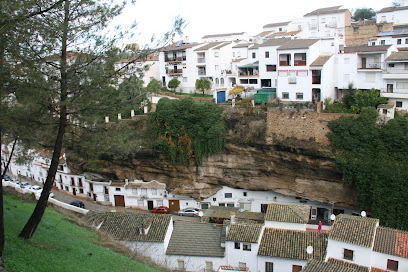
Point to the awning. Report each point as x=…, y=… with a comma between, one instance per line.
x=250, y=65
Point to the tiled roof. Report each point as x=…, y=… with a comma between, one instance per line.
x=391, y=9
x=321, y=266
x=244, y=233
x=264, y=33
x=222, y=35
x=254, y=46
x=127, y=226
x=394, y=32
x=276, y=24
x=391, y=242
x=176, y=48
x=275, y=42
x=283, y=34
x=208, y=46
x=227, y=212
x=154, y=184
x=375, y=269
x=354, y=230
x=196, y=239
x=288, y=213
x=251, y=215
x=292, y=244
x=328, y=10
x=222, y=45
x=398, y=56
x=366, y=48
x=242, y=45
x=321, y=60
x=298, y=44
x=356, y=267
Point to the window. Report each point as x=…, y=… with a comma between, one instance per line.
x=106, y=190
x=392, y=265
x=144, y=191
x=296, y=268
x=355, y=29
x=268, y=267
x=233, y=54
x=253, y=55
x=72, y=182
x=271, y=68
x=283, y=73
x=241, y=264
x=159, y=202
x=280, y=29
x=180, y=264
x=216, y=54
x=246, y=247
x=299, y=95
x=228, y=195
x=300, y=59
x=237, y=245
x=284, y=59
x=399, y=41
x=117, y=189
x=348, y=254
x=217, y=81
x=382, y=42
x=253, y=81
x=66, y=188
x=185, y=79
x=204, y=206
x=154, y=191
x=222, y=82
x=214, y=199
x=402, y=85
x=406, y=41
x=244, y=193
x=134, y=191
x=230, y=205
x=398, y=104
x=245, y=206
x=373, y=43
x=140, y=202
x=239, y=54
x=384, y=111
x=267, y=54
x=208, y=266
x=285, y=95
x=80, y=182
x=81, y=191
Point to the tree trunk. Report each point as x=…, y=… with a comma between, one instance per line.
x=35, y=219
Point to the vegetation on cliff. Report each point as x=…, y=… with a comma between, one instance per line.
x=187, y=129
x=374, y=159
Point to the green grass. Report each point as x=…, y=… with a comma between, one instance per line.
x=188, y=94
x=57, y=245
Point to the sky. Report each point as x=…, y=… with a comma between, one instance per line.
x=209, y=17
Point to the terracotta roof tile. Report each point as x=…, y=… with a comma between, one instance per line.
x=275, y=42
x=321, y=60
x=298, y=44
x=391, y=242
x=127, y=226
x=375, y=269
x=398, y=56
x=288, y=213
x=321, y=266
x=276, y=24
x=328, y=10
x=356, y=267
x=354, y=230
x=292, y=244
x=196, y=239
x=366, y=48
x=391, y=9
x=244, y=233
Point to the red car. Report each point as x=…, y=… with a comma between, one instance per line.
x=161, y=210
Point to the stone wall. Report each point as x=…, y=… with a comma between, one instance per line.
x=359, y=33
x=300, y=125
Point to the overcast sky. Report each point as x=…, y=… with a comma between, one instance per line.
x=207, y=17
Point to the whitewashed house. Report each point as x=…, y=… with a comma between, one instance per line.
x=145, y=195
x=396, y=37
x=289, y=217
x=398, y=15
x=395, y=84
x=225, y=37
x=277, y=27
x=351, y=239
x=241, y=245
x=196, y=246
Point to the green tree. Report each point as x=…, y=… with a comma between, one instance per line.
x=154, y=86
x=188, y=130
x=202, y=85
x=367, y=98
x=364, y=13
x=236, y=90
x=174, y=83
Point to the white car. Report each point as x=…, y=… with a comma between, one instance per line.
x=38, y=190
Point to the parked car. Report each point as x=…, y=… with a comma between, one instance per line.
x=78, y=203
x=25, y=185
x=189, y=212
x=15, y=180
x=7, y=178
x=161, y=210
x=38, y=191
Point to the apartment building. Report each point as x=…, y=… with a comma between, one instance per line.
x=395, y=83
x=398, y=15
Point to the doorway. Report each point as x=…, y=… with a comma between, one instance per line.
x=174, y=205
x=119, y=201
x=150, y=205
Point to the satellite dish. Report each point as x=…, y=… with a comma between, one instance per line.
x=363, y=214
x=200, y=213
x=332, y=217
x=309, y=250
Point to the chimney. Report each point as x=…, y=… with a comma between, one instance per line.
x=232, y=219
x=186, y=39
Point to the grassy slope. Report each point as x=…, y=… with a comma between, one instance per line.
x=57, y=245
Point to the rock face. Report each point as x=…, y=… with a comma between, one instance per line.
x=304, y=171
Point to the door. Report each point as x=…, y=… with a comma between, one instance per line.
x=94, y=197
x=363, y=63
x=264, y=208
x=73, y=191
x=150, y=205
x=174, y=205
x=220, y=97
x=119, y=201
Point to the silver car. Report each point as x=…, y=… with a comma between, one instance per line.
x=189, y=212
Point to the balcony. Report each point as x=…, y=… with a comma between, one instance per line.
x=201, y=72
x=370, y=66
x=178, y=59
x=248, y=74
x=201, y=60
x=292, y=80
x=174, y=72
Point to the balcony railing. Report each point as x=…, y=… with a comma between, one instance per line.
x=178, y=59
x=173, y=72
x=201, y=60
x=371, y=65
x=248, y=74
x=284, y=63
x=300, y=63
x=201, y=73
x=392, y=70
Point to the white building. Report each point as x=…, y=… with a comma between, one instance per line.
x=395, y=75
x=396, y=37
x=226, y=37
x=398, y=15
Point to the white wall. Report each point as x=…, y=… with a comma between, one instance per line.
x=285, y=225
x=398, y=17
x=235, y=256
x=379, y=260
x=194, y=263
x=335, y=249
x=279, y=264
